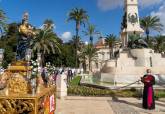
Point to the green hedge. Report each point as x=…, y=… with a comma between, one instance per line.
x=76, y=89
x=90, y=91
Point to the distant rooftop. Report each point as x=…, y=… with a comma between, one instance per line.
x=100, y=43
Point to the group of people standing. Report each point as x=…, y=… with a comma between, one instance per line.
x=69, y=72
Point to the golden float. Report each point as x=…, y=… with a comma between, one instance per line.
x=16, y=96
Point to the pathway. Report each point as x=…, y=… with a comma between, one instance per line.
x=84, y=105
x=105, y=105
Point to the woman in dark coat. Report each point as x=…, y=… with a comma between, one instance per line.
x=148, y=93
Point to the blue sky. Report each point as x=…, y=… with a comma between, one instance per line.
x=105, y=14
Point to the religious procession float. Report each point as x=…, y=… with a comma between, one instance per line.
x=22, y=89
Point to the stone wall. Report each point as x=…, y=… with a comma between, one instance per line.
x=125, y=61
x=147, y=58
x=128, y=74
x=130, y=66
x=158, y=60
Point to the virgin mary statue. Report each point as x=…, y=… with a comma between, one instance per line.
x=26, y=33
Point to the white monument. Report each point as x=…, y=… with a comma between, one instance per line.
x=131, y=64
x=130, y=24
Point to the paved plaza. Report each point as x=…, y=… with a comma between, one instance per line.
x=105, y=105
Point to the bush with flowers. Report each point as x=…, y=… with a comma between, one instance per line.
x=50, y=68
x=34, y=66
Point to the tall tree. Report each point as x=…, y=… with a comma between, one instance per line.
x=3, y=19
x=91, y=32
x=45, y=42
x=151, y=23
x=76, y=42
x=77, y=45
x=90, y=53
x=110, y=41
x=9, y=43
x=80, y=17
x=159, y=45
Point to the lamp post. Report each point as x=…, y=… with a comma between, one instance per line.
x=39, y=63
x=1, y=56
x=28, y=58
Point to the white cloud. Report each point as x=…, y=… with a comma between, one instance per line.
x=109, y=4
x=160, y=13
x=146, y=3
x=112, y=4
x=66, y=36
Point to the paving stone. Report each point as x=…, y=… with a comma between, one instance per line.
x=105, y=105
x=121, y=108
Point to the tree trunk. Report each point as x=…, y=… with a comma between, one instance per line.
x=84, y=64
x=89, y=65
x=77, y=34
x=110, y=55
x=112, y=52
x=91, y=40
x=42, y=60
x=147, y=33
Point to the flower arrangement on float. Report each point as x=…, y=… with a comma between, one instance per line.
x=50, y=73
x=34, y=67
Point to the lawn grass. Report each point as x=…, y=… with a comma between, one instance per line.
x=75, y=81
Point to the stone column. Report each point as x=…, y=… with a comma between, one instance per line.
x=61, y=83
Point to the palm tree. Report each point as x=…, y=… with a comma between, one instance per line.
x=2, y=21
x=159, y=44
x=91, y=32
x=131, y=40
x=48, y=24
x=77, y=44
x=45, y=42
x=80, y=17
x=151, y=23
x=90, y=53
x=110, y=41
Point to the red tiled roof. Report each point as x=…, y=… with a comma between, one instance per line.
x=100, y=43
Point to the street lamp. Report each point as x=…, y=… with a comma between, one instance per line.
x=28, y=58
x=1, y=56
x=39, y=63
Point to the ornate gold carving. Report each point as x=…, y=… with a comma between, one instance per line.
x=16, y=106
x=3, y=79
x=18, y=85
x=25, y=104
